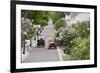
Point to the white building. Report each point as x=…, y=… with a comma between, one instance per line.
x=74, y=17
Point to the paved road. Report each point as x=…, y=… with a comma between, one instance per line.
x=44, y=54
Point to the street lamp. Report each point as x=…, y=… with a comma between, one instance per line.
x=24, y=42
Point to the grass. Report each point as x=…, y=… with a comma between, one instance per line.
x=67, y=57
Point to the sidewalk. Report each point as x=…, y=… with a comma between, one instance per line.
x=27, y=50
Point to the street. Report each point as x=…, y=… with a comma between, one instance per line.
x=44, y=54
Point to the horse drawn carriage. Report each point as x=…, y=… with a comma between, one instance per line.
x=40, y=42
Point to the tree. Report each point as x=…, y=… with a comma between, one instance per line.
x=57, y=19
x=56, y=16
x=30, y=35
x=81, y=43
x=26, y=26
x=59, y=24
x=38, y=17
x=32, y=17
x=76, y=40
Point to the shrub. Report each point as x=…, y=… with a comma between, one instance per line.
x=76, y=40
